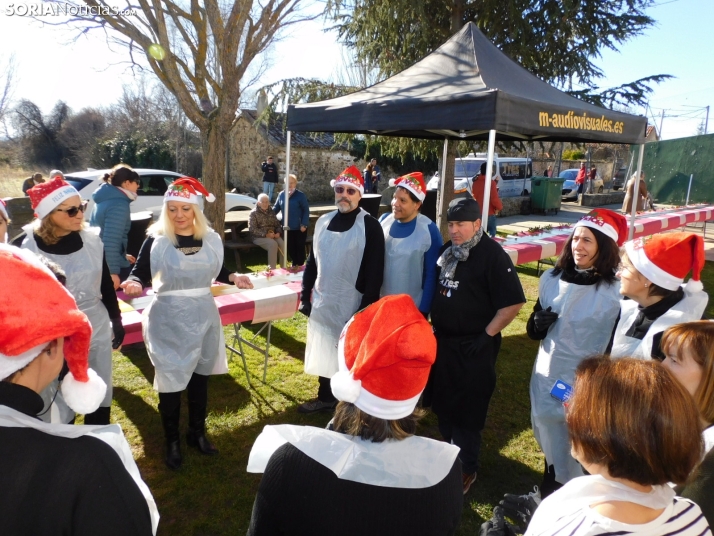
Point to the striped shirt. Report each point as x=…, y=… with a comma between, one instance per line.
x=681, y=518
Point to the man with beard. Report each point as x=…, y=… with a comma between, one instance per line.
x=343, y=274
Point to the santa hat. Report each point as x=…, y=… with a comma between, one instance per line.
x=3, y=210
x=414, y=182
x=607, y=222
x=385, y=353
x=56, y=173
x=47, y=196
x=186, y=190
x=666, y=259
x=36, y=309
x=352, y=176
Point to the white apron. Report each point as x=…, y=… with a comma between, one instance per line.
x=334, y=297
x=689, y=309
x=404, y=259
x=181, y=326
x=84, y=280
x=586, y=316
x=412, y=463
x=111, y=434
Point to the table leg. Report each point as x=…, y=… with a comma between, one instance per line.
x=266, y=351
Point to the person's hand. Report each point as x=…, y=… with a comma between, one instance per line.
x=119, y=333
x=305, y=308
x=544, y=318
x=132, y=288
x=116, y=281
x=131, y=258
x=240, y=280
x=303, y=228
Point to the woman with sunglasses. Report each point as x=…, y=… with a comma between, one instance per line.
x=112, y=215
x=59, y=234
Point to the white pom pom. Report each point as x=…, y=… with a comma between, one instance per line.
x=392, y=182
x=211, y=198
x=332, y=183
x=84, y=397
x=345, y=387
x=693, y=286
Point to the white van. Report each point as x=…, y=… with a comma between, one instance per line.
x=513, y=174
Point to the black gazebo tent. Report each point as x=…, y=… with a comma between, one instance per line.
x=468, y=89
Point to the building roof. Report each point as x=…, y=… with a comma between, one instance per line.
x=276, y=133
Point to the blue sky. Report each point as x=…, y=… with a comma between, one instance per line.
x=85, y=72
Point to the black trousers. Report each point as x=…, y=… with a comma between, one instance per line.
x=324, y=391
x=296, y=247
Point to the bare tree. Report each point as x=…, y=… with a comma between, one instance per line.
x=7, y=68
x=200, y=50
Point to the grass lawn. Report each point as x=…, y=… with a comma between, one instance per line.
x=214, y=495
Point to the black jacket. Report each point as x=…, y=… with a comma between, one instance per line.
x=51, y=485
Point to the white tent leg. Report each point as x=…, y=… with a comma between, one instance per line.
x=286, y=199
x=489, y=178
x=442, y=180
x=636, y=191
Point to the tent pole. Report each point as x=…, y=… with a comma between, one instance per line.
x=636, y=191
x=489, y=178
x=442, y=180
x=286, y=199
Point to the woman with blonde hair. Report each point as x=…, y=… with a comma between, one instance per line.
x=689, y=356
x=181, y=257
x=60, y=234
x=4, y=222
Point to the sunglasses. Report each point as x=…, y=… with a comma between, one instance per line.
x=72, y=212
x=342, y=190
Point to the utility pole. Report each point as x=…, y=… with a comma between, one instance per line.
x=706, y=121
x=660, y=124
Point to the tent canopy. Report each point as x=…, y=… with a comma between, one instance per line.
x=462, y=90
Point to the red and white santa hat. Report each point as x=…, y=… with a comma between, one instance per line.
x=352, y=176
x=385, y=353
x=606, y=221
x=47, y=196
x=36, y=309
x=666, y=259
x=3, y=210
x=186, y=190
x=414, y=182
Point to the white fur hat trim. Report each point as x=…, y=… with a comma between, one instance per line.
x=11, y=364
x=347, y=389
x=84, y=397
x=649, y=269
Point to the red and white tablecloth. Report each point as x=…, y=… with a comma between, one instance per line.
x=531, y=249
x=281, y=300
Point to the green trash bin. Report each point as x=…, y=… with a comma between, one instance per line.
x=546, y=193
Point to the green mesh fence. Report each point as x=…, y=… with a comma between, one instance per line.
x=668, y=165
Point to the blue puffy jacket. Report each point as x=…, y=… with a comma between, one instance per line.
x=112, y=215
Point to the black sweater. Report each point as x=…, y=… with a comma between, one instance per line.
x=299, y=496
x=57, y=485
x=371, y=269
x=71, y=244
